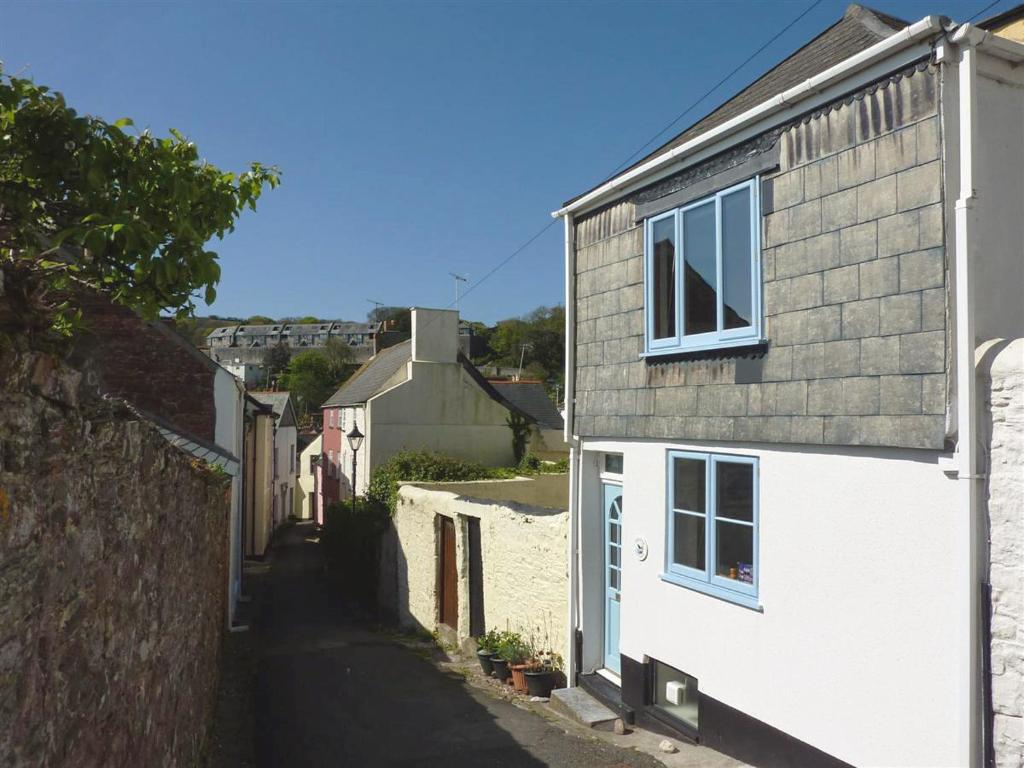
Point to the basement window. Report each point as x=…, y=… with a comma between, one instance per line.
x=702, y=277
x=675, y=694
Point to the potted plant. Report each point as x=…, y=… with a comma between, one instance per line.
x=487, y=648
x=540, y=676
x=511, y=651
x=519, y=655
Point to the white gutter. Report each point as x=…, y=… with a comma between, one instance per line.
x=570, y=329
x=968, y=685
x=906, y=37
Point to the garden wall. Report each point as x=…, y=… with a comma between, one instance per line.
x=113, y=568
x=511, y=557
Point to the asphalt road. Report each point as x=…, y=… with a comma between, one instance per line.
x=331, y=693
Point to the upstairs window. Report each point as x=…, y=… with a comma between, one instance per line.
x=702, y=274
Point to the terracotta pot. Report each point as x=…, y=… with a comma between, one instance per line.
x=519, y=676
x=500, y=668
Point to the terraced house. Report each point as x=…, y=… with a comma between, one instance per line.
x=781, y=330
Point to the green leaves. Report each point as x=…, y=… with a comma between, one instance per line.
x=132, y=213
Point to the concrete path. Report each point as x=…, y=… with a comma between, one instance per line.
x=331, y=693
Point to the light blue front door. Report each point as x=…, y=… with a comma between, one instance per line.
x=612, y=573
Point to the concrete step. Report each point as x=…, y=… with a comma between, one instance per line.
x=583, y=708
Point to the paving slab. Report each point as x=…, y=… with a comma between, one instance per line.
x=583, y=708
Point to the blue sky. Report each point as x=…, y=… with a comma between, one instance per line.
x=415, y=139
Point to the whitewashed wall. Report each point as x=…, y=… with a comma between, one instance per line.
x=858, y=560
x=523, y=551
x=305, y=482
x=1003, y=388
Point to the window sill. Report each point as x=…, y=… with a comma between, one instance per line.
x=738, y=598
x=708, y=346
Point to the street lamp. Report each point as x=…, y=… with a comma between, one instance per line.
x=355, y=442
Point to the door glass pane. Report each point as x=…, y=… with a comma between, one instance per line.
x=613, y=578
x=663, y=267
x=613, y=463
x=735, y=556
x=688, y=547
x=613, y=533
x=700, y=271
x=735, y=485
x=613, y=556
x=688, y=488
x=736, y=261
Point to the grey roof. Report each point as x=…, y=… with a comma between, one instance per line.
x=531, y=398
x=859, y=28
x=370, y=379
x=335, y=327
x=281, y=402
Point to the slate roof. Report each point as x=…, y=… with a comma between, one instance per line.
x=370, y=379
x=859, y=28
x=281, y=403
x=531, y=398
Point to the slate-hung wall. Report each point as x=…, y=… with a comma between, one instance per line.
x=854, y=275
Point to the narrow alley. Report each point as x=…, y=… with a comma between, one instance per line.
x=330, y=692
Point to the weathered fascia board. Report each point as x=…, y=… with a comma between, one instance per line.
x=763, y=162
x=892, y=54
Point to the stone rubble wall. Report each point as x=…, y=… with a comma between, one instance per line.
x=113, y=569
x=1003, y=389
x=523, y=552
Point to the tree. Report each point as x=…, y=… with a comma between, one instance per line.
x=309, y=379
x=259, y=320
x=83, y=201
x=315, y=374
x=340, y=358
x=395, y=318
x=276, y=359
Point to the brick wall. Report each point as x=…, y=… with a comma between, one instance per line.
x=854, y=279
x=112, y=586
x=147, y=365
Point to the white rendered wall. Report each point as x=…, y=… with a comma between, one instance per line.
x=440, y=408
x=229, y=434
x=305, y=482
x=999, y=252
x=853, y=650
x=355, y=415
x=1003, y=422
x=285, y=441
x=523, y=550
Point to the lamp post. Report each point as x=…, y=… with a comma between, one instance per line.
x=355, y=442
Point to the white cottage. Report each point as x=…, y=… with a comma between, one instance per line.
x=778, y=510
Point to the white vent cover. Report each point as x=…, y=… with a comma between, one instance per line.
x=675, y=692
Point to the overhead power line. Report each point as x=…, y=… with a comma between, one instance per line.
x=675, y=120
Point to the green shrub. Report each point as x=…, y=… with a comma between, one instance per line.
x=351, y=541
x=513, y=648
x=424, y=466
x=530, y=463
x=489, y=640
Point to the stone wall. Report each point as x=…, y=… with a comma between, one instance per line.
x=113, y=550
x=523, y=562
x=854, y=295
x=1002, y=386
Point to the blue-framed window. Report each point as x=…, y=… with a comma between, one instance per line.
x=712, y=526
x=702, y=273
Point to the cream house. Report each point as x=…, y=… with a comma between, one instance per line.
x=420, y=394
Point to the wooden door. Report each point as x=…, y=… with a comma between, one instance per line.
x=448, y=586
